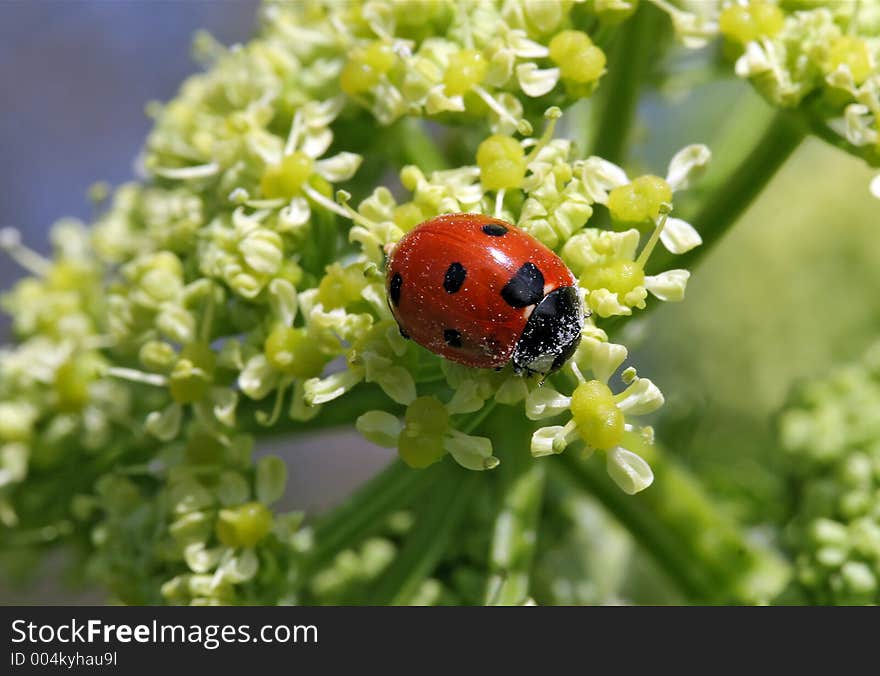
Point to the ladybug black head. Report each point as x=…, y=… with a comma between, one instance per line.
x=552, y=333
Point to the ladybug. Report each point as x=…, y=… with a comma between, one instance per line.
x=481, y=292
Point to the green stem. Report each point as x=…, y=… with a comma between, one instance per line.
x=702, y=551
x=418, y=147
x=731, y=188
x=629, y=61
x=343, y=411
x=516, y=534
x=452, y=490
x=396, y=486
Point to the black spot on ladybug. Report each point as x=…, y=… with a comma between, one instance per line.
x=402, y=332
x=394, y=288
x=525, y=288
x=452, y=337
x=494, y=230
x=454, y=278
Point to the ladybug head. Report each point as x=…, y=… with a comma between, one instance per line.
x=552, y=333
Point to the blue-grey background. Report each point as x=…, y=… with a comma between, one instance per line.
x=75, y=76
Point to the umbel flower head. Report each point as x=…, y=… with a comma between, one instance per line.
x=822, y=57
x=241, y=282
x=832, y=437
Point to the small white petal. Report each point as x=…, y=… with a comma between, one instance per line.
x=300, y=409
x=294, y=215
x=512, y=390
x=283, y=300
x=437, y=101
x=599, y=177
x=604, y=357
x=641, y=398
x=875, y=186
x=679, y=236
x=321, y=390
x=239, y=568
x=165, y=425
x=380, y=427
x=466, y=399
x=534, y=81
x=685, y=164
x=525, y=48
x=257, y=378
x=473, y=453
x=629, y=471
x=398, y=384
x=338, y=168
x=316, y=142
x=668, y=286
x=553, y=439
x=545, y=402
x=225, y=402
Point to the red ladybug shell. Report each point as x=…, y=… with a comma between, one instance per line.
x=464, y=286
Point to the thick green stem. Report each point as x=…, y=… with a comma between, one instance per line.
x=702, y=551
x=731, y=188
x=365, y=512
x=629, y=61
x=515, y=535
x=452, y=489
x=514, y=538
x=419, y=147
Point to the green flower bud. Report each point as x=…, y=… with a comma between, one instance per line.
x=599, y=421
x=192, y=374
x=579, y=60
x=420, y=443
x=502, y=163
x=286, y=178
x=294, y=352
x=466, y=68
x=244, y=526
x=157, y=355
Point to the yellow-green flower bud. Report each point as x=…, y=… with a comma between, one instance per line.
x=157, y=355
x=17, y=420
x=599, y=421
x=72, y=380
x=746, y=23
x=341, y=286
x=244, y=526
x=365, y=67
x=421, y=442
x=852, y=52
x=639, y=201
x=502, y=163
x=408, y=215
x=284, y=180
x=192, y=374
x=294, y=352
x=203, y=448
x=619, y=277
x=466, y=69
x=578, y=58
